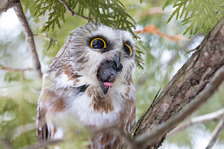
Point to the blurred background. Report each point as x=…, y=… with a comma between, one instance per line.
x=164, y=50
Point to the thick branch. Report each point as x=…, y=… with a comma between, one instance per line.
x=216, y=133
x=28, y=33
x=189, y=81
x=198, y=120
x=162, y=129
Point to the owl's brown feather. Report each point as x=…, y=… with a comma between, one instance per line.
x=76, y=84
x=42, y=131
x=108, y=140
x=100, y=102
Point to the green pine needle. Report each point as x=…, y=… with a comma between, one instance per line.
x=199, y=15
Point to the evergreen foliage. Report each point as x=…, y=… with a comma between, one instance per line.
x=19, y=90
x=201, y=15
x=110, y=13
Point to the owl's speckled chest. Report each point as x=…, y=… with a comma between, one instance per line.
x=90, y=80
x=91, y=108
x=86, y=103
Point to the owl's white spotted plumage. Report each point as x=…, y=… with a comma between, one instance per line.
x=90, y=80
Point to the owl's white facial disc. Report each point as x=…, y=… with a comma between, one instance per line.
x=101, y=54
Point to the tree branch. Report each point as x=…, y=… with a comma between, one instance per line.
x=70, y=10
x=6, y=144
x=28, y=33
x=44, y=144
x=162, y=129
x=198, y=120
x=189, y=81
x=14, y=69
x=216, y=133
x=4, y=5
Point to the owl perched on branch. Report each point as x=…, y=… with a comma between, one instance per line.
x=90, y=80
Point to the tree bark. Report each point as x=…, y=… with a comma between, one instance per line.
x=28, y=33
x=4, y=6
x=189, y=81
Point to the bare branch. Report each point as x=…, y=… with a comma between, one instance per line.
x=161, y=130
x=6, y=144
x=185, y=86
x=28, y=33
x=198, y=120
x=14, y=69
x=151, y=29
x=71, y=11
x=216, y=133
x=44, y=144
x=4, y=5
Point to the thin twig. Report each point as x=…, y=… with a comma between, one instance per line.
x=161, y=130
x=15, y=69
x=44, y=144
x=71, y=11
x=198, y=120
x=6, y=144
x=215, y=134
x=28, y=33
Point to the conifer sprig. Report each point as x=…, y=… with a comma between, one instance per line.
x=200, y=15
x=110, y=13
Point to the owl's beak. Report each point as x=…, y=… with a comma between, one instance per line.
x=107, y=72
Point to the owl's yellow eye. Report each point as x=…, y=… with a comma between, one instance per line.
x=127, y=49
x=98, y=43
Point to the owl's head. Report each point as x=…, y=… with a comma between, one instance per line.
x=102, y=55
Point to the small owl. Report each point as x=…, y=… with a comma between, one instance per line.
x=90, y=80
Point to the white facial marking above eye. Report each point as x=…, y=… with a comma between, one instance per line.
x=105, y=31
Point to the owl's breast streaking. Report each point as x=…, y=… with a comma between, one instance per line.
x=90, y=81
x=89, y=104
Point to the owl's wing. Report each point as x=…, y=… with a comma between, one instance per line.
x=42, y=129
x=50, y=103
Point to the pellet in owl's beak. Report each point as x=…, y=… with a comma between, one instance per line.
x=107, y=72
